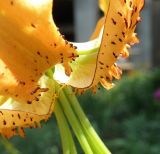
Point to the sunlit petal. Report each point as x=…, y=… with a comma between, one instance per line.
x=30, y=43
x=98, y=29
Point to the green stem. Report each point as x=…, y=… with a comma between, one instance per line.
x=94, y=147
x=66, y=136
x=91, y=133
x=74, y=122
x=68, y=145
x=85, y=133
x=49, y=73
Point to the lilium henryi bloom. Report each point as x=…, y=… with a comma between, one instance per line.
x=30, y=44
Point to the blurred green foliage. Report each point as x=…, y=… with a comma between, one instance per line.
x=126, y=117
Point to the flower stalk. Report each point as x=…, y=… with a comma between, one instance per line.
x=67, y=107
x=66, y=136
x=86, y=125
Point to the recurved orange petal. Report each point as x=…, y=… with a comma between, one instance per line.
x=120, y=23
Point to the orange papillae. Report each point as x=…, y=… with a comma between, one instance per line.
x=15, y=116
x=118, y=34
